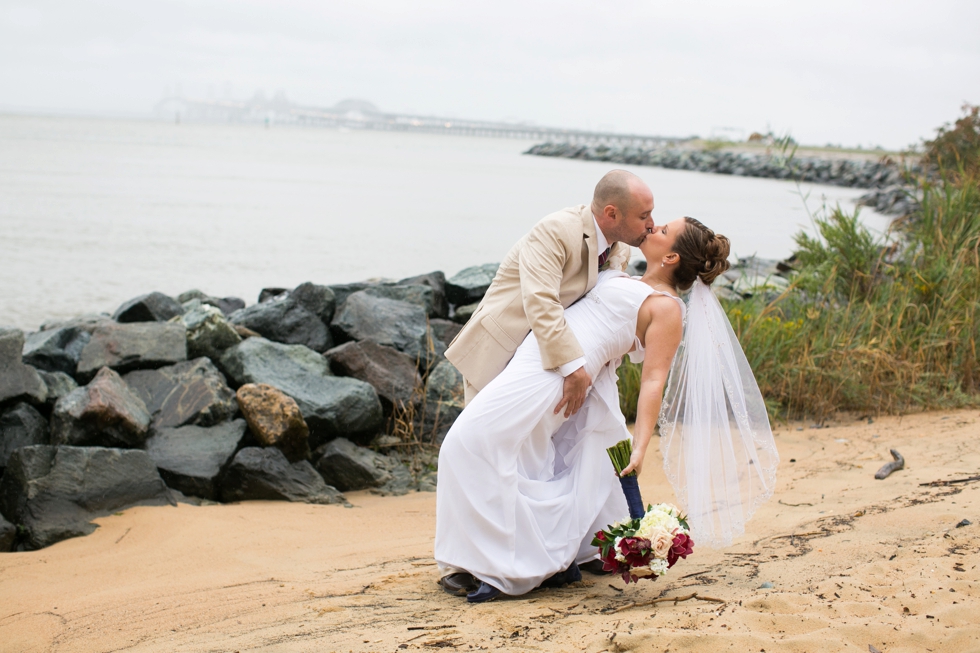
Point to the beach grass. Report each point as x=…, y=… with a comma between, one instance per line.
x=871, y=324
x=867, y=325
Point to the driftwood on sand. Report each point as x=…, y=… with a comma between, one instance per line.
x=894, y=466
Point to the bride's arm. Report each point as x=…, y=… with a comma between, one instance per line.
x=663, y=335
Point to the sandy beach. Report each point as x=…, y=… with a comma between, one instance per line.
x=854, y=563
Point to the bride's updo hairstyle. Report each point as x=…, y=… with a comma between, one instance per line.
x=703, y=253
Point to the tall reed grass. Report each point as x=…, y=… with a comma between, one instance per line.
x=870, y=324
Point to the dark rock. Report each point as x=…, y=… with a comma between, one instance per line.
x=275, y=420
x=436, y=281
x=208, y=332
x=55, y=492
x=331, y=406
x=319, y=300
x=127, y=347
x=191, y=392
x=637, y=267
x=392, y=374
x=286, y=321
x=471, y=284
x=20, y=426
x=17, y=380
x=227, y=305
x=191, y=458
x=444, y=401
x=347, y=466
x=8, y=534
x=106, y=412
x=444, y=331
x=418, y=294
x=385, y=321
x=268, y=294
x=58, y=384
x=257, y=474
x=463, y=314
x=87, y=323
x=56, y=350
x=154, y=307
x=344, y=290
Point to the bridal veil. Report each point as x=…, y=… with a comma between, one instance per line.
x=718, y=448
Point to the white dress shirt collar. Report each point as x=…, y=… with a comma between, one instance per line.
x=600, y=238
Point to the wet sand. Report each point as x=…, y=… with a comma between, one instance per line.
x=853, y=562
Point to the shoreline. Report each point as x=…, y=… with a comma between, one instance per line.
x=279, y=577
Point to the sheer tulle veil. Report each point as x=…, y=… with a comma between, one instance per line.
x=718, y=449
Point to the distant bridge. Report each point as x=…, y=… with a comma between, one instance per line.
x=358, y=114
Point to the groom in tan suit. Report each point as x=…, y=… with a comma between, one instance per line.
x=543, y=274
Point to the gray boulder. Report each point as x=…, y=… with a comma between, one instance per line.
x=208, y=332
x=437, y=281
x=319, y=300
x=287, y=321
x=390, y=372
x=106, y=412
x=387, y=322
x=418, y=294
x=190, y=392
x=344, y=290
x=444, y=401
x=268, y=294
x=56, y=350
x=88, y=322
x=154, y=307
x=257, y=474
x=331, y=406
x=55, y=492
x=58, y=384
x=227, y=305
x=192, y=458
x=347, y=466
x=20, y=426
x=470, y=285
x=8, y=535
x=17, y=380
x=462, y=314
x=444, y=330
x=127, y=347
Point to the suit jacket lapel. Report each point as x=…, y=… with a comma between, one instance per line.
x=588, y=233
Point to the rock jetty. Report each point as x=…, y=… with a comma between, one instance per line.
x=835, y=172
x=308, y=393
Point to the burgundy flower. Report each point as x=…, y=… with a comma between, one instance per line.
x=636, y=550
x=601, y=535
x=683, y=546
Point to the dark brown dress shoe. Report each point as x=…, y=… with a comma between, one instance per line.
x=459, y=584
x=594, y=567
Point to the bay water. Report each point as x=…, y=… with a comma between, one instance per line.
x=96, y=211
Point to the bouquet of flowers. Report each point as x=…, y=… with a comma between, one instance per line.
x=647, y=544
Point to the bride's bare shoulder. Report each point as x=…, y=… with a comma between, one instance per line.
x=664, y=310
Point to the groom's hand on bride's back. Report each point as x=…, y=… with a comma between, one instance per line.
x=573, y=392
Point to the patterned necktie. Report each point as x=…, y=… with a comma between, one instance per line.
x=604, y=256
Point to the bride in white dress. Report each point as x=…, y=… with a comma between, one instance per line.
x=522, y=490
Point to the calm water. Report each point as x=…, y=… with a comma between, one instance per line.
x=94, y=212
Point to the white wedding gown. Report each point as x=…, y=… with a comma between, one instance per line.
x=521, y=491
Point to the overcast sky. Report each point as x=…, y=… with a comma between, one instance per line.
x=851, y=72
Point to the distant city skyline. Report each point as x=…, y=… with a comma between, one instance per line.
x=837, y=72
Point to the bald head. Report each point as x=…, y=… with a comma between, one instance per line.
x=617, y=188
x=622, y=206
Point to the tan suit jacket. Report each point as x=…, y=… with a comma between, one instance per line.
x=542, y=275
